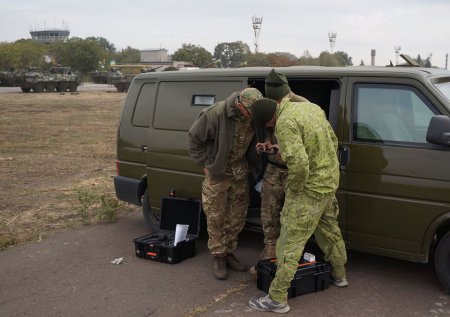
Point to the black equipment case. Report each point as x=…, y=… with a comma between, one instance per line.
x=159, y=246
x=310, y=277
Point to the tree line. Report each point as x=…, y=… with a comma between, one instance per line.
x=96, y=53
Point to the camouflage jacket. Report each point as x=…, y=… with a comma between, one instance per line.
x=211, y=136
x=308, y=146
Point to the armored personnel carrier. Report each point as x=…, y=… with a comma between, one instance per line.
x=122, y=82
x=58, y=79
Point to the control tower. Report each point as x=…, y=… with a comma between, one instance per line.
x=49, y=35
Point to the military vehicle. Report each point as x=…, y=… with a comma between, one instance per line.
x=393, y=127
x=58, y=79
x=99, y=77
x=7, y=79
x=113, y=77
x=29, y=79
x=122, y=82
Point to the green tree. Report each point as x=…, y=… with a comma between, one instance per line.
x=195, y=54
x=128, y=55
x=79, y=54
x=419, y=60
x=343, y=58
x=307, y=59
x=8, y=56
x=289, y=56
x=231, y=54
x=104, y=43
x=109, y=49
x=277, y=60
x=326, y=59
x=257, y=59
x=22, y=53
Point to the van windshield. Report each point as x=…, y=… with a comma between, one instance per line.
x=443, y=84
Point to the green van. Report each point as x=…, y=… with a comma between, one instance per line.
x=393, y=126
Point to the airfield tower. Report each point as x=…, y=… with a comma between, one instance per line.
x=48, y=35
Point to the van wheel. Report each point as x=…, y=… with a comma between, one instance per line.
x=442, y=261
x=152, y=217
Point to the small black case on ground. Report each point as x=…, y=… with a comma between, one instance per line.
x=310, y=277
x=159, y=246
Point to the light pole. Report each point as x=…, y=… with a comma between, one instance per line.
x=257, y=28
x=397, y=49
x=332, y=37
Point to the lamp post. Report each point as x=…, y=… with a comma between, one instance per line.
x=332, y=37
x=397, y=49
x=257, y=28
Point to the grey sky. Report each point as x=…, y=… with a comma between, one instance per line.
x=419, y=27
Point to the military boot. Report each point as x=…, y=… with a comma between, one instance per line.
x=234, y=263
x=219, y=267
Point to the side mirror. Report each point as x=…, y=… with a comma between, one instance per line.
x=439, y=130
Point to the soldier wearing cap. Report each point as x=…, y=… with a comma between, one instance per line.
x=218, y=141
x=308, y=146
x=275, y=176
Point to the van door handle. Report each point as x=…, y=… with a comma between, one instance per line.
x=144, y=148
x=344, y=156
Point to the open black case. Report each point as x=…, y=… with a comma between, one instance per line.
x=159, y=246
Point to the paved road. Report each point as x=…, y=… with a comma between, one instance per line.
x=70, y=274
x=82, y=87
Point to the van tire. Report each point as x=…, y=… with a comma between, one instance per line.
x=150, y=216
x=442, y=261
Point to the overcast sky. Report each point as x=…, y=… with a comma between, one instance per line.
x=294, y=26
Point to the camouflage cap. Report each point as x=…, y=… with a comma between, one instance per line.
x=276, y=85
x=248, y=95
x=263, y=110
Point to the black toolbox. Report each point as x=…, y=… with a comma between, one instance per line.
x=310, y=277
x=159, y=246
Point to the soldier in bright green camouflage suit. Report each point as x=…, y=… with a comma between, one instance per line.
x=308, y=146
x=218, y=141
x=275, y=175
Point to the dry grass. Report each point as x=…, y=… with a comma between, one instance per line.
x=57, y=160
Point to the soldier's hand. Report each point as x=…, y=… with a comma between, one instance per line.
x=263, y=146
x=276, y=151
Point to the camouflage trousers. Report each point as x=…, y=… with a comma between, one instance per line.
x=272, y=199
x=225, y=202
x=301, y=217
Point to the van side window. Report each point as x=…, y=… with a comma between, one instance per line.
x=141, y=114
x=203, y=100
x=390, y=113
x=178, y=103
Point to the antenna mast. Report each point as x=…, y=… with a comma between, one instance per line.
x=257, y=28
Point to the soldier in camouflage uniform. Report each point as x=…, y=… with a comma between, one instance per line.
x=308, y=146
x=218, y=141
x=275, y=176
